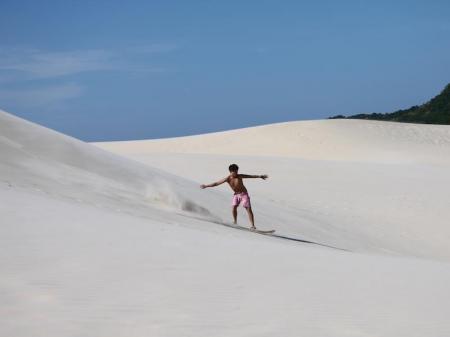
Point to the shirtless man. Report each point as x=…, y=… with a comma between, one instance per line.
x=240, y=192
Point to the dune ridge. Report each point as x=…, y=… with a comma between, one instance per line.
x=99, y=244
x=340, y=140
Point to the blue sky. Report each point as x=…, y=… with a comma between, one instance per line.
x=111, y=70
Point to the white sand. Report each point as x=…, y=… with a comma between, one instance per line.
x=94, y=244
x=372, y=186
x=337, y=140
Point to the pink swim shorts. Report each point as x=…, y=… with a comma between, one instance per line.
x=241, y=197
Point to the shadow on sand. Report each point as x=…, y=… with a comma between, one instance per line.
x=278, y=236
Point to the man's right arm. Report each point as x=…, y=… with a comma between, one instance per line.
x=217, y=183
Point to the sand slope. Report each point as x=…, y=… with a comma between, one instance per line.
x=94, y=244
x=362, y=185
x=341, y=140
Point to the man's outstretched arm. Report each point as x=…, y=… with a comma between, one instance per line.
x=262, y=176
x=217, y=183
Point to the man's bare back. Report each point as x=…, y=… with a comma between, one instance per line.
x=240, y=192
x=236, y=184
x=235, y=181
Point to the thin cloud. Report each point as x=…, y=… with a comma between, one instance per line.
x=154, y=48
x=22, y=64
x=261, y=50
x=42, y=96
x=34, y=64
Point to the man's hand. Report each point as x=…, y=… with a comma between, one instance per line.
x=264, y=176
x=217, y=183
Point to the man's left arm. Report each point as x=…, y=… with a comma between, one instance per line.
x=262, y=176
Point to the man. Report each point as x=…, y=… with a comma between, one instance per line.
x=234, y=179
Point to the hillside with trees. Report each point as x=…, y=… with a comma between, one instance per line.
x=435, y=111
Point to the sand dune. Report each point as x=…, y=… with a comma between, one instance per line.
x=97, y=244
x=340, y=140
x=42, y=159
x=361, y=185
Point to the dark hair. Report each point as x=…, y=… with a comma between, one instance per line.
x=233, y=168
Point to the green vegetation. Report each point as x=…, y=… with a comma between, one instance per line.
x=435, y=111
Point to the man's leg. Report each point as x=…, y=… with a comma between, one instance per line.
x=234, y=210
x=250, y=217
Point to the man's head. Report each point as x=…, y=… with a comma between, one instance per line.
x=233, y=168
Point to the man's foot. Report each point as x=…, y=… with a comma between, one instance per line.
x=253, y=228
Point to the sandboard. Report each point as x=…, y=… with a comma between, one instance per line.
x=262, y=232
x=259, y=231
